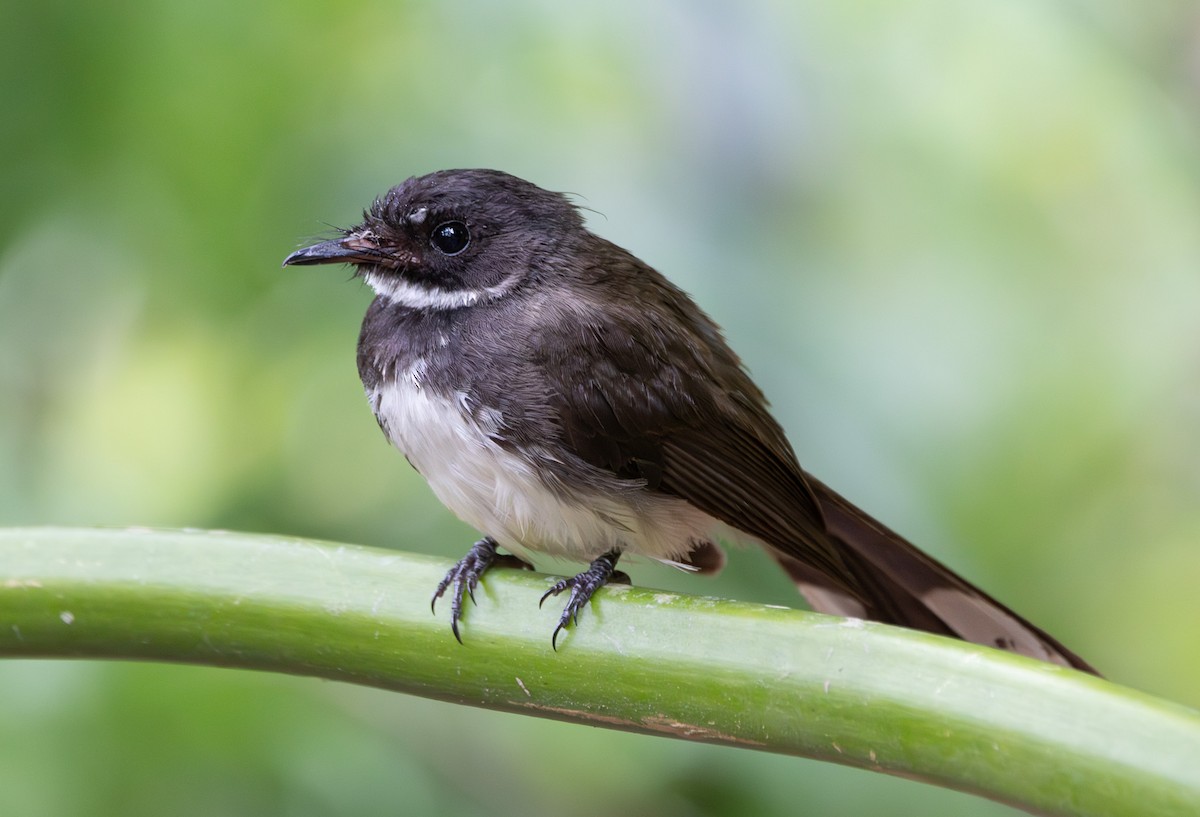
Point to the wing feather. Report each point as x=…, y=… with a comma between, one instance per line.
x=650, y=391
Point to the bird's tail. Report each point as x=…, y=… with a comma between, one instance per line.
x=901, y=585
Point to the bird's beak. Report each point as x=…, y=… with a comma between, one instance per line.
x=353, y=249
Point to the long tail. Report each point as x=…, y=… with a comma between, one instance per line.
x=901, y=585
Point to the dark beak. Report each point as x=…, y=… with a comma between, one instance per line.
x=349, y=250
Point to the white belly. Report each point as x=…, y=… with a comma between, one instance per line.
x=454, y=446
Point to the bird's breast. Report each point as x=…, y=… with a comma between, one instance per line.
x=510, y=492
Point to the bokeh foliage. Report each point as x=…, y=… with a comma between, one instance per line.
x=957, y=244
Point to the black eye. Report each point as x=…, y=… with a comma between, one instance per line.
x=450, y=237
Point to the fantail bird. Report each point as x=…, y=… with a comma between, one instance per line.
x=562, y=397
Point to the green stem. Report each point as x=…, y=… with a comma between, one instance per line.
x=1039, y=737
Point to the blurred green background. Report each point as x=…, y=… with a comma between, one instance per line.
x=958, y=244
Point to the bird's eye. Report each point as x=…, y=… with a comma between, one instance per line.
x=450, y=237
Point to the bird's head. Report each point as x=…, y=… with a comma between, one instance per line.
x=453, y=238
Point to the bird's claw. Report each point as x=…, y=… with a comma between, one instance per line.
x=599, y=573
x=463, y=578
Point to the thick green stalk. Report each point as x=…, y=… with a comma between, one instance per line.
x=1019, y=731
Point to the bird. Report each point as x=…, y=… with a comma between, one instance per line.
x=563, y=397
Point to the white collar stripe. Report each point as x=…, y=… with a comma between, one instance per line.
x=420, y=296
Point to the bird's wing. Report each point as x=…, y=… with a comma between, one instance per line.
x=673, y=407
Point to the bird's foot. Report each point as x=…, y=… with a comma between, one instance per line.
x=464, y=576
x=599, y=573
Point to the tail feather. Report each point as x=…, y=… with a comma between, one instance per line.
x=899, y=584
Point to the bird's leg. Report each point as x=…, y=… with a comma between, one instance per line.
x=463, y=577
x=600, y=572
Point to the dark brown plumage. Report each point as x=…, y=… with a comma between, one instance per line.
x=563, y=396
